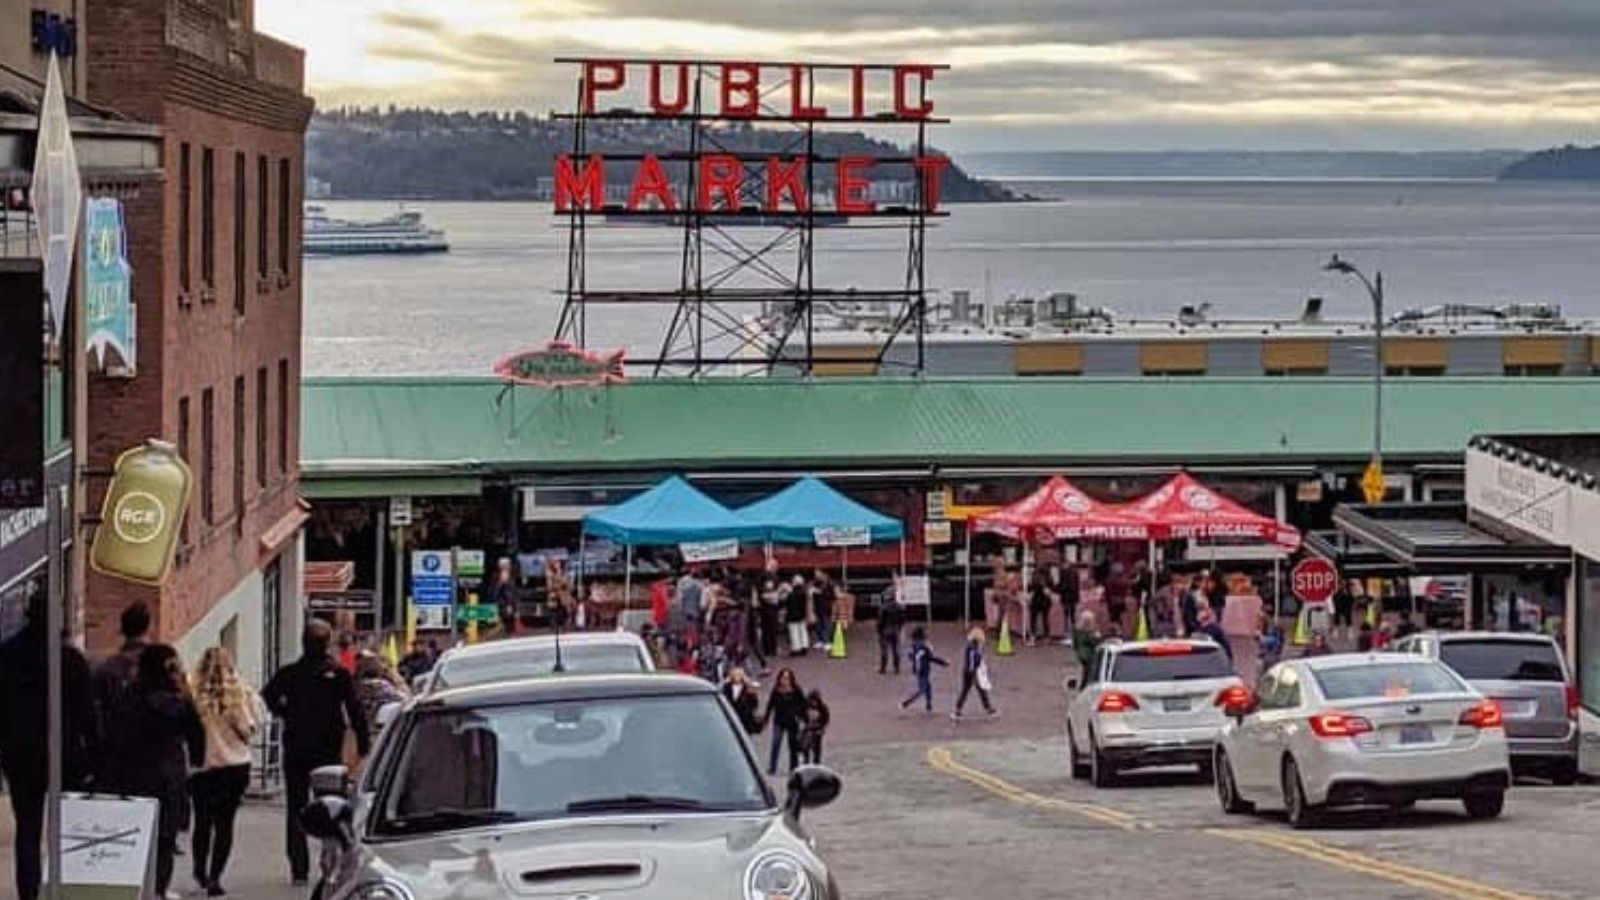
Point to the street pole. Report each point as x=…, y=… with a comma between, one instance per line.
x=55, y=739
x=1376, y=290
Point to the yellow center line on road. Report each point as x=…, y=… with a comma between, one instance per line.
x=942, y=760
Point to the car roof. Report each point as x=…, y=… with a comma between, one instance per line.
x=543, y=642
x=1353, y=660
x=1125, y=646
x=566, y=688
x=1508, y=637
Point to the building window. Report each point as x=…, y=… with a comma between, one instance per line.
x=262, y=210
x=283, y=416
x=238, y=448
x=208, y=456
x=208, y=218
x=1533, y=370
x=239, y=214
x=261, y=427
x=1419, y=371
x=283, y=216
x=183, y=451
x=185, y=211
x=1295, y=371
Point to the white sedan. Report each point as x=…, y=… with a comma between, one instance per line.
x=1362, y=730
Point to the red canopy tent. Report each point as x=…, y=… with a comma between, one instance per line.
x=1185, y=508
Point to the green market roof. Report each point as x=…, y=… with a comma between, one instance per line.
x=452, y=429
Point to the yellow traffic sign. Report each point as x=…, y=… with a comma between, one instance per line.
x=1372, y=483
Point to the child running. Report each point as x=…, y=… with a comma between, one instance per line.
x=923, y=660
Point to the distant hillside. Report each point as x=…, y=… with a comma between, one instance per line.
x=1567, y=163
x=431, y=154
x=1222, y=164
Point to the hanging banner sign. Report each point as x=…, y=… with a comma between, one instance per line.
x=139, y=520
x=936, y=533
x=108, y=287
x=559, y=364
x=709, y=551
x=848, y=536
x=57, y=196
x=913, y=590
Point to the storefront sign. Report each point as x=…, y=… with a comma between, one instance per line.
x=400, y=512
x=852, y=536
x=108, y=293
x=1516, y=495
x=709, y=551
x=938, y=505
x=361, y=601
x=936, y=534
x=433, y=588
x=22, y=374
x=57, y=194
x=143, y=508
x=913, y=590
x=559, y=364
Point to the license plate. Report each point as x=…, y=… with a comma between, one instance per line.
x=1415, y=734
x=1519, y=709
x=1176, y=704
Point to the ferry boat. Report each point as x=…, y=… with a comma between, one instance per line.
x=1057, y=335
x=403, y=232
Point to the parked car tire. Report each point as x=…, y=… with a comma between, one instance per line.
x=1485, y=804
x=1075, y=762
x=1228, y=789
x=1102, y=772
x=1301, y=813
x=1564, y=773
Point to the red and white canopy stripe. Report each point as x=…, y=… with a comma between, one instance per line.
x=1060, y=510
x=1184, y=508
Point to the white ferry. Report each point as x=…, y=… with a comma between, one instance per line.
x=403, y=232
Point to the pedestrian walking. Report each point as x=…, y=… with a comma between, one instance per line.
x=1071, y=590
x=416, y=662
x=891, y=619
x=974, y=674
x=923, y=659
x=1241, y=624
x=317, y=702
x=691, y=605
x=1045, y=594
x=167, y=739
x=505, y=596
x=786, y=710
x=1085, y=639
x=24, y=752
x=376, y=687
x=770, y=618
x=796, y=609
x=823, y=596
x=230, y=714
x=115, y=682
x=814, y=728
x=744, y=697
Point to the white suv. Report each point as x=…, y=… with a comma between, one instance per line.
x=1149, y=703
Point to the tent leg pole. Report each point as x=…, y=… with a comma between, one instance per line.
x=844, y=564
x=627, y=586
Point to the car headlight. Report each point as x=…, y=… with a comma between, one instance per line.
x=380, y=890
x=777, y=875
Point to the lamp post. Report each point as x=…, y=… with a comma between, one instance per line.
x=1372, y=482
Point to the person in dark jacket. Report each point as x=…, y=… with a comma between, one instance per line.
x=823, y=596
x=1046, y=594
x=769, y=620
x=786, y=712
x=167, y=738
x=814, y=728
x=24, y=757
x=795, y=609
x=891, y=619
x=923, y=660
x=115, y=683
x=744, y=698
x=316, y=701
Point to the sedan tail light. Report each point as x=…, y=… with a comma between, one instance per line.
x=1116, y=702
x=1333, y=724
x=1573, y=702
x=1236, y=696
x=1484, y=715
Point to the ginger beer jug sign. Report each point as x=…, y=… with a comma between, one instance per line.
x=139, y=521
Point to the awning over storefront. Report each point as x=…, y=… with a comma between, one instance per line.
x=1434, y=539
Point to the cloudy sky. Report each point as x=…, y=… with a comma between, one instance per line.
x=1029, y=74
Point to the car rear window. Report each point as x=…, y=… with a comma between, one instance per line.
x=1386, y=680
x=1491, y=660
x=1179, y=663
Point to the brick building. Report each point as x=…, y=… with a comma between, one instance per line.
x=216, y=261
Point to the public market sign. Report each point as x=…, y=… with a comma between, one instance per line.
x=559, y=364
x=108, y=294
x=1518, y=496
x=746, y=92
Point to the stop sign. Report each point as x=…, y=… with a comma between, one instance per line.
x=1314, y=580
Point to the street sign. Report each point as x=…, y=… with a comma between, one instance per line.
x=469, y=564
x=938, y=505
x=1314, y=580
x=482, y=613
x=1373, y=485
x=399, y=512
x=433, y=588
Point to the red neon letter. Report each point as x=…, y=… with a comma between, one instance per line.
x=601, y=75
x=785, y=179
x=858, y=92
x=743, y=79
x=651, y=181
x=924, y=106
x=849, y=184
x=931, y=169
x=719, y=172
x=661, y=107
x=587, y=188
x=801, y=83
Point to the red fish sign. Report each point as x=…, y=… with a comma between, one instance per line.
x=559, y=364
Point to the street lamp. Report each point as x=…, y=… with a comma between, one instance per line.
x=1372, y=483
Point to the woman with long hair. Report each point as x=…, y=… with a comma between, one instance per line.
x=166, y=739
x=230, y=712
x=376, y=687
x=786, y=711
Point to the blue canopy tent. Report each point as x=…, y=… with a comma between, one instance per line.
x=672, y=512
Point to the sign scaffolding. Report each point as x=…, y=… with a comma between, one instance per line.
x=748, y=289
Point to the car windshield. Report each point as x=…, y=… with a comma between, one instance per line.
x=1181, y=662
x=1492, y=660
x=459, y=768
x=1386, y=680
x=535, y=662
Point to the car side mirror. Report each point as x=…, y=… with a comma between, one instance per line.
x=330, y=781
x=387, y=714
x=812, y=786
x=327, y=819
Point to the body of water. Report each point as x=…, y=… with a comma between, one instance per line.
x=1142, y=248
